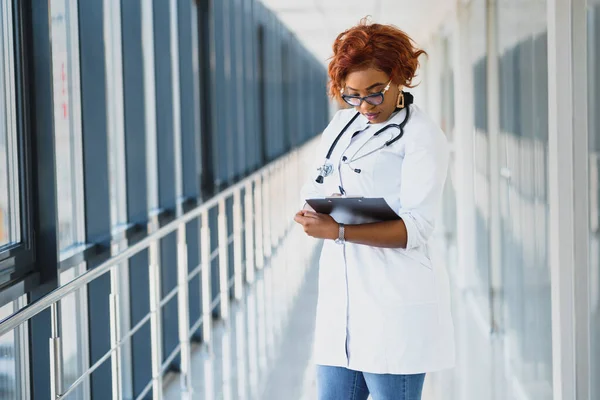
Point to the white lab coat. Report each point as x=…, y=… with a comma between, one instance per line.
x=385, y=310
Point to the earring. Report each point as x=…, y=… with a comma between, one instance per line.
x=400, y=101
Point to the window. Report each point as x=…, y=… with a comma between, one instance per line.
x=447, y=125
x=524, y=203
x=10, y=221
x=481, y=174
x=115, y=118
x=67, y=121
x=262, y=94
x=69, y=183
x=593, y=67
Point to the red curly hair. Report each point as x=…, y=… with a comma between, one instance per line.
x=367, y=45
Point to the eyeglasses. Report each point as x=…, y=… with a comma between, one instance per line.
x=374, y=99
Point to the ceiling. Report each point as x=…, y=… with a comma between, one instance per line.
x=318, y=22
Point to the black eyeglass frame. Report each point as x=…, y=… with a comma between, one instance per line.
x=347, y=98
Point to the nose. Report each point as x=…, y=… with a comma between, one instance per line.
x=365, y=107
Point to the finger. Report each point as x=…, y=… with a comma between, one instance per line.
x=311, y=214
x=301, y=220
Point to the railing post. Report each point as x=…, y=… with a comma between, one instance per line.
x=206, y=277
x=290, y=203
x=249, y=231
x=240, y=344
x=292, y=193
x=115, y=334
x=285, y=186
x=283, y=203
x=258, y=222
x=183, y=313
x=223, y=260
x=227, y=386
x=56, y=370
x=275, y=192
x=237, y=245
x=155, y=315
x=253, y=353
x=266, y=211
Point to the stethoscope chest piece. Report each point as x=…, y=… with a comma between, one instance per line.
x=324, y=171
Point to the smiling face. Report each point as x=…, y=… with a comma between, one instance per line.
x=368, y=81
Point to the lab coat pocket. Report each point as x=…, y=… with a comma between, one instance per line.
x=412, y=279
x=419, y=254
x=389, y=278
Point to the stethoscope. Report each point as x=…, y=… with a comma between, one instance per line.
x=327, y=168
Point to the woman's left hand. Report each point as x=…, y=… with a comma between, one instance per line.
x=320, y=226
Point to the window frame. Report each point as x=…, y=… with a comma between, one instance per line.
x=17, y=259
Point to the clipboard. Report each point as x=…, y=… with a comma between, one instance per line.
x=363, y=207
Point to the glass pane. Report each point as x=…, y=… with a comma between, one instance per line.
x=523, y=150
x=447, y=125
x=9, y=188
x=8, y=361
x=65, y=67
x=74, y=344
x=115, y=119
x=593, y=43
x=481, y=175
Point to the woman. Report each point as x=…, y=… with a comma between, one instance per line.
x=383, y=315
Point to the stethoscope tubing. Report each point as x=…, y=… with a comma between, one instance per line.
x=400, y=127
x=339, y=136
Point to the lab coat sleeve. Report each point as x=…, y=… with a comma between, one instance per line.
x=311, y=188
x=424, y=172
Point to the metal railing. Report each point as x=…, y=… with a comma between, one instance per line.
x=269, y=198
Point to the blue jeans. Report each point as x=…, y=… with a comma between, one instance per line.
x=337, y=383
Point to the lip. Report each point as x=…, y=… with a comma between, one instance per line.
x=371, y=116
